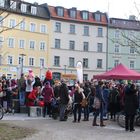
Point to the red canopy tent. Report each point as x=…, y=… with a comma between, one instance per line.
x=119, y=72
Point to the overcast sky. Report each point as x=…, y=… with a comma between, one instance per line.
x=115, y=8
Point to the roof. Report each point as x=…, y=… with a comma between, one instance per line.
x=66, y=17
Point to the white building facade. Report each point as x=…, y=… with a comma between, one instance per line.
x=76, y=39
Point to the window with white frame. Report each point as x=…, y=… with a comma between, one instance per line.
x=85, y=77
x=85, y=15
x=99, y=47
x=42, y=62
x=1, y=21
x=33, y=10
x=22, y=25
x=85, y=46
x=57, y=27
x=56, y=60
x=12, y=23
x=99, y=63
x=1, y=41
x=32, y=27
x=23, y=8
x=100, y=32
x=21, y=44
x=71, y=62
x=117, y=48
x=72, y=13
x=31, y=61
x=60, y=11
x=42, y=46
x=43, y=28
x=97, y=16
x=117, y=34
x=19, y=60
x=0, y=59
x=32, y=44
x=10, y=60
x=57, y=43
x=11, y=42
x=13, y=4
x=72, y=45
x=132, y=50
x=116, y=63
x=85, y=62
x=2, y=2
x=72, y=29
x=86, y=31
x=132, y=64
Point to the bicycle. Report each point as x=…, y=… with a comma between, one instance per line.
x=1, y=112
x=121, y=119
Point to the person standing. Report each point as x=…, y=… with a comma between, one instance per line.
x=131, y=105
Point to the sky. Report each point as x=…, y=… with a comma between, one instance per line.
x=114, y=8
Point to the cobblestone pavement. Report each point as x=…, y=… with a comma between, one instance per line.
x=49, y=129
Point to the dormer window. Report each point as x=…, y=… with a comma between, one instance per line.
x=23, y=8
x=12, y=4
x=2, y=2
x=60, y=11
x=72, y=13
x=33, y=10
x=85, y=15
x=97, y=16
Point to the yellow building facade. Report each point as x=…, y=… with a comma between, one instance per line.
x=24, y=40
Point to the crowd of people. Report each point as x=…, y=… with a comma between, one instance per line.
x=97, y=97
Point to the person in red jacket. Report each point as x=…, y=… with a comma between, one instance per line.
x=48, y=94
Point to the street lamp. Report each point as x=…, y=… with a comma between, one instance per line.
x=22, y=55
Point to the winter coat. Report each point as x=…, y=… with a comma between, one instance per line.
x=64, y=94
x=131, y=102
x=78, y=97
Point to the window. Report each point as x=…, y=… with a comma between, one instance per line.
x=21, y=44
x=132, y=50
x=72, y=13
x=85, y=15
x=22, y=25
x=71, y=62
x=20, y=60
x=1, y=21
x=58, y=27
x=32, y=27
x=117, y=48
x=72, y=45
x=100, y=32
x=42, y=46
x=85, y=63
x=116, y=63
x=72, y=29
x=31, y=61
x=10, y=60
x=97, y=17
x=57, y=43
x=99, y=63
x=23, y=8
x=132, y=64
x=56, y=60
x=10, y=42
x=85, y=77
x=42, y=62
x=85, y=46
x=32, y=44
x=117, y=34
x=2, y=2
x=60, y=11
x=33, y=10
x=12, y=4
x=99, y=47
x=1, y=41
x=12, y=23
x=0, y=60
x=86, y=30
x=43, y=29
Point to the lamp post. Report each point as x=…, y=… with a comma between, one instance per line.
x=22, y=56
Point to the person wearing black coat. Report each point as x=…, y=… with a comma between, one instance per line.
x=130, y=107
